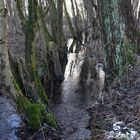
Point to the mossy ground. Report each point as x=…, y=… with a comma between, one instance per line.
x=36, y=113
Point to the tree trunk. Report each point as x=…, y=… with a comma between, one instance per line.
x=30, y=37
x=60, y=37
x=113, y=33
x=8, y=85
x=53, y=19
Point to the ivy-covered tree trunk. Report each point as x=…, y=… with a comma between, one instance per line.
x=6, y=77
x=113, y=33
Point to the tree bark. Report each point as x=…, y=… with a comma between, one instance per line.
x=113, y=33
x=7, y=78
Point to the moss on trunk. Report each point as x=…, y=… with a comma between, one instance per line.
x=113, y=33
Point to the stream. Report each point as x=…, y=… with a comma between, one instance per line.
x=70, y=108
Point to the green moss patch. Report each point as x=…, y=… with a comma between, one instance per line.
x=41, y=92
x=51, y=120
x=16, y=85
x=34, y=116
x=36, y=113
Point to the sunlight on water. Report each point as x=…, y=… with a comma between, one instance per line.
x=75, y=61
x=136, y=7
x=69, y=6
x=71, y=110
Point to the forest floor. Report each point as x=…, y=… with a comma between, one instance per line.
x=119, y=114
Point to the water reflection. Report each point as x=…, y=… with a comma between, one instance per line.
x=71, y=108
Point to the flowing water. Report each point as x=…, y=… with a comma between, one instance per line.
x=71, y=106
